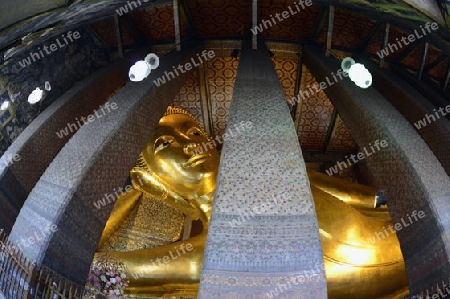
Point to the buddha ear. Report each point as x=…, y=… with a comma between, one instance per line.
x=146, y=182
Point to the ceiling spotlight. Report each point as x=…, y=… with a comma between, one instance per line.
x=37, y=94
x=380, y=200
x=357, y=72
x=4, y=105
x=141, y=69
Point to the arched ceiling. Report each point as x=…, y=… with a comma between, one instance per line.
x=359, y=27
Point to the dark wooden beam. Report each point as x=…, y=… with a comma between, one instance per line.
x=447, y=78
x=423, y=60
x=320, y=22
x=331, y=131
x=368, y=40
x=184, y=8
x=176, y=21
x=435, y=63
x=134, y=31
x=408, y=51
x=118, y=35
x=385, y=42
x=298, y=79
x=97, y=37
x=330, y=30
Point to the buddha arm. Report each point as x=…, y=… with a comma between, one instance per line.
x=124, y=205
x=157, y=189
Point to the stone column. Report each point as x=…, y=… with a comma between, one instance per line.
x=263, y=236
x=39, y=143
x=95, y=161
x=406, y=168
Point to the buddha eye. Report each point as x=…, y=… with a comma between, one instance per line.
x=194, y=132
x=162, y=143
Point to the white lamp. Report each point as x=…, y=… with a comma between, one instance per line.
x=141, y=69
x=4, y=105
x=357, y=72
x=37, y=94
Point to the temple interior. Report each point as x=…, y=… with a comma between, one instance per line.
x=225, y=149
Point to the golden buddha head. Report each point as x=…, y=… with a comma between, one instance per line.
x=172, y=157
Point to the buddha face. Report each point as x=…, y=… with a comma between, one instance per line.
x=171, y=156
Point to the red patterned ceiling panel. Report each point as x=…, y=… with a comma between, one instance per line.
x=156, y=23
x=220, y=18
x=222, y=73
x=189, y=98
x=350, y=29
x=341, y=140
x=287, y=73
x=315, y=117
x=299, y=24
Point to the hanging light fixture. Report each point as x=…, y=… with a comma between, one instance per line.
x=4, y=105
x=357, y=72
x=37, y=94
x=142, y=68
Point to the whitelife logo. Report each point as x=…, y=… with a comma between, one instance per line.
x=86, y=120
x=53, y=47
x=124, y=9
x=411, y=38
x=161, y=80
x=430, y=117
x=284, y=15
x=360, y=157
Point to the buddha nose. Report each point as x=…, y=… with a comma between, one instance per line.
x=189, y=148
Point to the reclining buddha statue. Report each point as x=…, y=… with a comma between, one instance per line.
x=173, y=183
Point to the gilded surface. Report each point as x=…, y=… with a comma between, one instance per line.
x=171, y=178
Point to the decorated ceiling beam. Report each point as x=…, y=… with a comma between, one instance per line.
x=118, y=35
x=423, y=60
x=330, y=29
x=254, y=23
x=385, y=41
x=176, y=20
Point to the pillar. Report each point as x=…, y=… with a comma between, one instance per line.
x=263, y=237
x=407, y=169
x=39, y=143
x=95, y=161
